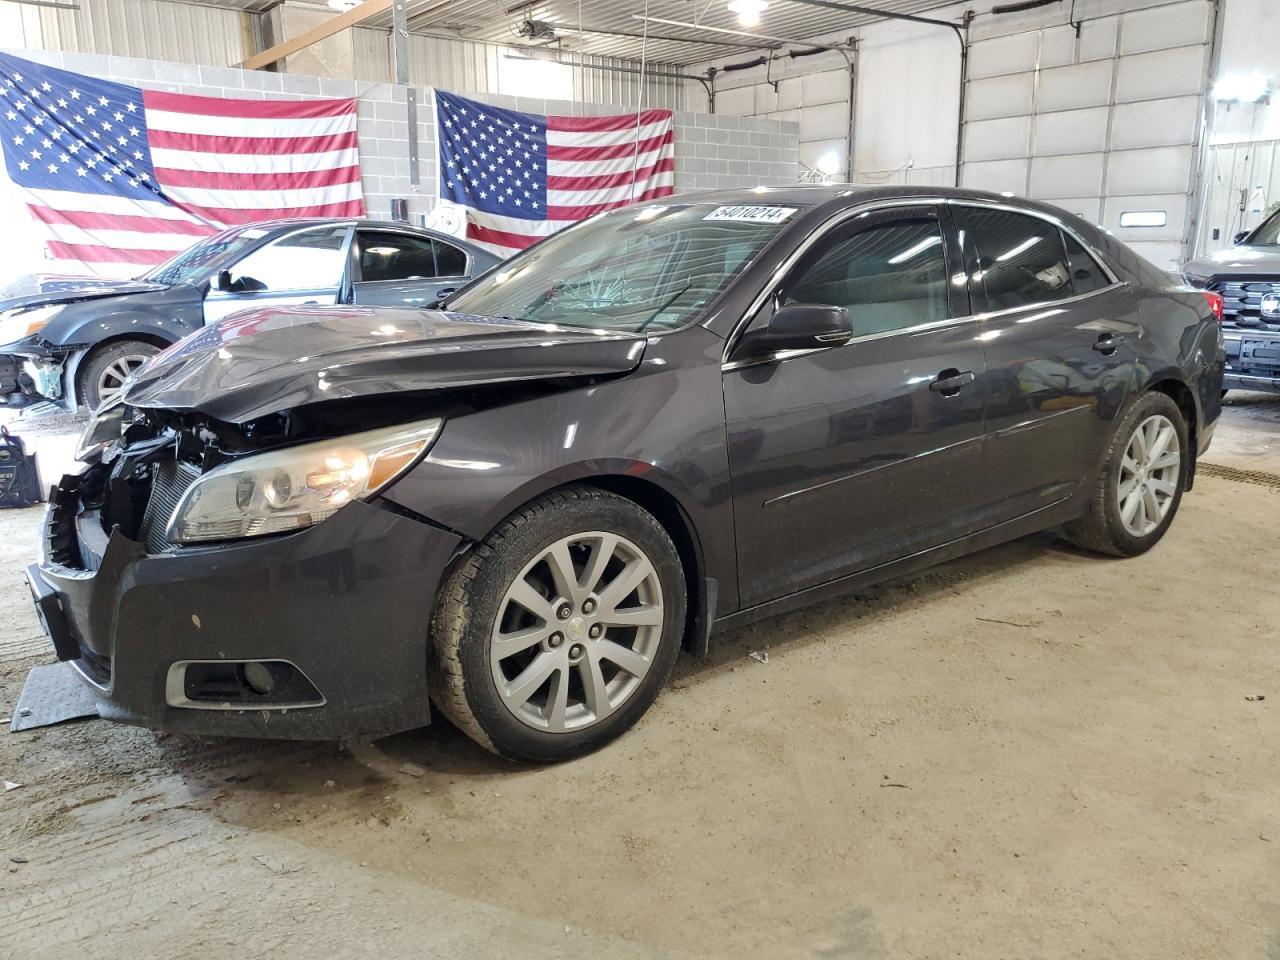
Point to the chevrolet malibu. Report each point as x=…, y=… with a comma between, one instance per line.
x=666, y=420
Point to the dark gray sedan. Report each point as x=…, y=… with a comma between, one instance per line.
x=685, y=415
x=77, y=340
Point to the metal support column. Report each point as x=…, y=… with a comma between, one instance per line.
x=400, y=57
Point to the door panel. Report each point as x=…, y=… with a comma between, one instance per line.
x=1060, y=342
x=845, y=459
x=848, y=457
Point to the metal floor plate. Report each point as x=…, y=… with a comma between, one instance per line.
x=53, y=693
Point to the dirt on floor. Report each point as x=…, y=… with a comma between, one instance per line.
x=1032, y=752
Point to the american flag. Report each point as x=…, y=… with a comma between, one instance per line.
x=523, y=176
x=119, y=178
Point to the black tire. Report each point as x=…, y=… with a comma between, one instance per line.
x=1101, y=528
x=461, y=670
x=98, y=370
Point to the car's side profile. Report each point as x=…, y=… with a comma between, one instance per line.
x=78, y=340
x=665, y=421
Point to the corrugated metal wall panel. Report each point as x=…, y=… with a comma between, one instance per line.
x=154, y=29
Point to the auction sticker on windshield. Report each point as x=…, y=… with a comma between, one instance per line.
x=750, y=214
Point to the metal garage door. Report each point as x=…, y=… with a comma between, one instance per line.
x=1105, y=124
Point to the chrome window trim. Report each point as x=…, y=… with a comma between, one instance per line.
x=866, y=337
x=840, y=218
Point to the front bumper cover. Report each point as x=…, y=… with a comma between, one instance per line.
x=347, y=601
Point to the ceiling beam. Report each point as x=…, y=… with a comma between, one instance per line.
x=335, y=24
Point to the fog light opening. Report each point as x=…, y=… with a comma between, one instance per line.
x=259, y=678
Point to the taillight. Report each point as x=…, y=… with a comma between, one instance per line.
x=1215, y=303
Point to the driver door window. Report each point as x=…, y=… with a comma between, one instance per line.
x=307, y=260
x=305, y=267
x=890, y=276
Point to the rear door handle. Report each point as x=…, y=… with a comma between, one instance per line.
x=1106, y=344
x=949, y=382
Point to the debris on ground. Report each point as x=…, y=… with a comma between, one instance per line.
x=271, y=863
x=18, y=858
x=329, y=783
x=412, y=770
x=759, y=656
x=1256, y=696
x=10, y=785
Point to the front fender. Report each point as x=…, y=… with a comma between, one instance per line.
x=166, y=317
x=662, y=425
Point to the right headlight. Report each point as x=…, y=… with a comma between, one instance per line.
x=298, y=486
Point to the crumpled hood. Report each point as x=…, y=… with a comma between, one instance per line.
x=39, y=289
x=264, y=361
x=1241, y=261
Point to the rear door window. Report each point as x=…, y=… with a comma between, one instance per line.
x=1022, y=259
x=1086, y=274
x=450, y=260
x=395, y=256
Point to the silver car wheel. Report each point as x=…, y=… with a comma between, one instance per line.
x=111, y=379
x=576, y=632
x=1149, y=473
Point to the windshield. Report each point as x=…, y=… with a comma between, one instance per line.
x=193, y=263
x=650, y=267
x=1267, y=235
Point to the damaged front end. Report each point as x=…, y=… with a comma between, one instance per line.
x=233, y=629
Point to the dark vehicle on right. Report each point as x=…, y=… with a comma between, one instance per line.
x=1247, y=276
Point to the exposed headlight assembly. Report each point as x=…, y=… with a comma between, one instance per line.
x=105, y=428
x=296, y=487
x=16, y=324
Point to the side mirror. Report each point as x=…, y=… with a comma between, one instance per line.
x=222, y=281
x=801, y=326
x=1239, y=237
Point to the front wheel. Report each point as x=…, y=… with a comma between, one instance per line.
x=104, y=371
x=557, y=632
x=1144, y=472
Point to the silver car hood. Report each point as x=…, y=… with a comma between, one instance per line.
x=1238, y=261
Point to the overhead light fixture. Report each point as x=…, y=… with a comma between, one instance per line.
x=1242, y=87
x=748, y=11
x=342, y=6
x=829, y=164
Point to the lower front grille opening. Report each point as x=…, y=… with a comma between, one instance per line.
x=240, y=684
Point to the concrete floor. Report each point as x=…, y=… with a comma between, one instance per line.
x=1028, y=753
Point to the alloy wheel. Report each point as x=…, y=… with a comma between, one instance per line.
x=576, y=632
x=1149, y=473
x=111, y=379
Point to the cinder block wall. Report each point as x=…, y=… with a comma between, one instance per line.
x=711, y=151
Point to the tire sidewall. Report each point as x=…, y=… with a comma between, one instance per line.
x=92, y=365
x=509, y=735
x=1148, y=405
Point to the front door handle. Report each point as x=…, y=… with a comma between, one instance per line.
x=1106, y=343
x=949, y=382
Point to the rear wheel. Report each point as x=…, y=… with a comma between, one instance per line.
x=559, y=630
x=104, y=371
x=1140, y=487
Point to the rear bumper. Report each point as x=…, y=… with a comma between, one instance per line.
x=347, y=601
